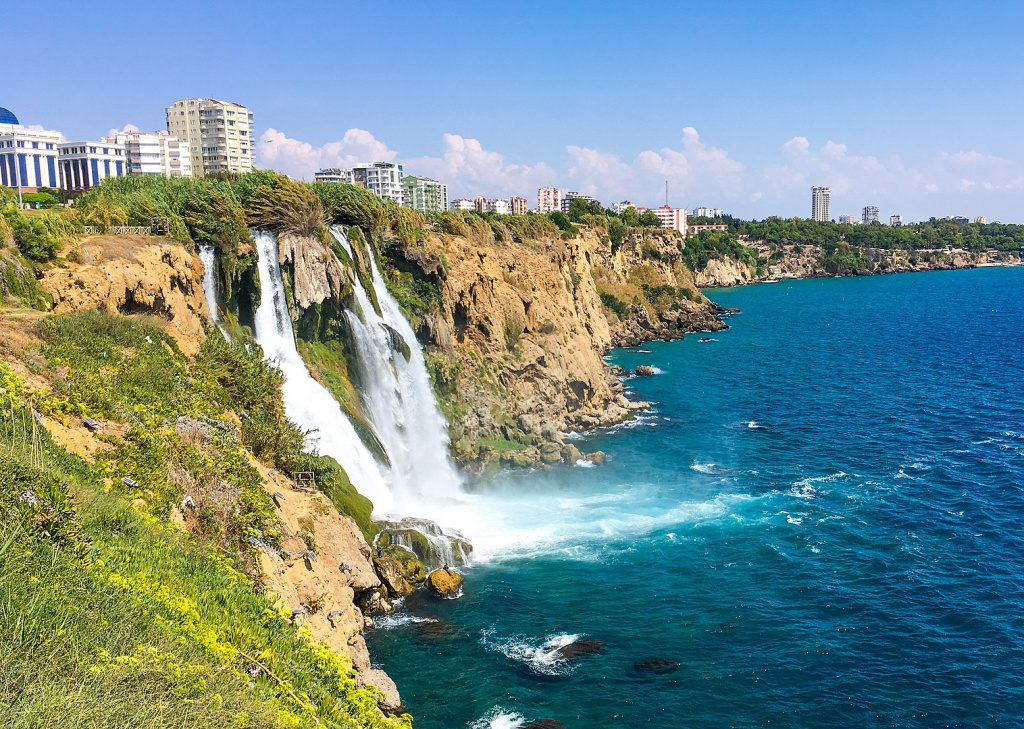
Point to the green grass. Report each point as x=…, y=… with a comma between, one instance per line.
x=114, y=618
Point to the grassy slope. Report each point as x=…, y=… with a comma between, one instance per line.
x=111, y=616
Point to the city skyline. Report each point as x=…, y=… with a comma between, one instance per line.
x=744, y=130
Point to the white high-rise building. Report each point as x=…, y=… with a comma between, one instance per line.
x=848, y=219
x=383, y=179
x=820, y=198
x=28, y=157
x=499, y=206
x=895, y=220
x=674, y=218
x=84, y=165
x=869, y=215
x=463, y=204
x=549, y=199
x=155, y=154
x=703, y=212
x=220, y=135
x=618, y=207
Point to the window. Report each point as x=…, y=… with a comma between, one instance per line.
x=35, y=145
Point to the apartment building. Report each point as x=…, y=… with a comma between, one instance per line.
x=155, y=154
x=549, y=199
x=424, y=194
x=220, y=135
x=519, y=205
x=669, y=217
x=897, y=220
x=869, y=215
x=84, y=165
x=704, y=212
x=820, y=200
x=848, y=219
x=28, y=157
x=499, y=206
x=697, y=229
x=383, y=179
x=619, y=207
x=463, y=205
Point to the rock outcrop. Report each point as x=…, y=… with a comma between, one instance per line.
x=724, y=272
x=444, y=583
x=134, y=274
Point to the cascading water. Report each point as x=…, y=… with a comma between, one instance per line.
x=399, y=400
x=306, y=401
x=206, y=255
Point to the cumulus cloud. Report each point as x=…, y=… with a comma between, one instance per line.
x=126, y=129
x=301, y=160
x=697, y=172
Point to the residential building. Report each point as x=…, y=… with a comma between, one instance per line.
x=84, y=165
x=519, y=205
x=480, y=204
x=424, y=194
x=820, y=198
x=572, y=195
x=549, y=199
x=463, y=205
x=618, y=207
x=674, y=218
x=703, y=212
x=895, y=220
x=695, y=229
x=499, y=206
x=848, y=219
x=981, y=220
x=961, y=219
x=28, y=157
x=869, y=215
x=383, y=179
x=220, y=135
x=155, y=154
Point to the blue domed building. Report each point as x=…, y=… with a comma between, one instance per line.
x=28, y=157
x=7, y=116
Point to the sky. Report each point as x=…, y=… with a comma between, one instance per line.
x=912, y=106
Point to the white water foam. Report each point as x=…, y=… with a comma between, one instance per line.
x=397, y=620
x=541, y=658
x=498, y=718
x=306, y=401
x=707, y=468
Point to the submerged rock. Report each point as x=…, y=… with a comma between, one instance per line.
x=543, y=724
x=579, y=649
x=656, y=666
x=597, y=458
x=444, y=583
x=435, y=630
x=644, y=371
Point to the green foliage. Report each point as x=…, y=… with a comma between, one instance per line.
x=563, y=223
x=18, y=284
x=113, y=615
x=580, y=209
x=617, y=230
x=611, y=301
x=710, y=244
x=40, y=199
x=648, y=219
x=32, y=235
x=285, y=206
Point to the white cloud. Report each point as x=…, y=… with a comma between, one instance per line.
x=697, y=174
x=301, y=160
x=126, y=129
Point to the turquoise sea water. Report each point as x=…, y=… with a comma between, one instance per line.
x=822, y=521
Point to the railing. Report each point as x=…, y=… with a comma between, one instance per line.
x=119, y=230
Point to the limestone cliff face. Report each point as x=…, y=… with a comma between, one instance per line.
x=724, y=272
x=518, y=342
x=135, y=275
x=317, y=274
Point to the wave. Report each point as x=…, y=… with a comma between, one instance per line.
x=543, y=658
x=754, y=425
x=703, y=467
x=584, y=463
x=498, y=718
x=396, y=620
x=806, y=488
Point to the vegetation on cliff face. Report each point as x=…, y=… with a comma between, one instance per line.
x=114, y=614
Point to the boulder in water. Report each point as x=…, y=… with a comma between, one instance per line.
x=597, y=458
x=444, y=583
x=435, y=630
x=571, y=453
x=543, y=724
x=389, y=570
x=656, y=666
x=644, y=371
x=578, y=649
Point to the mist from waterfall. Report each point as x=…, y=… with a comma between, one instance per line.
x=306, y=401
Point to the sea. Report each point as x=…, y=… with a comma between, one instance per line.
x=819, y=523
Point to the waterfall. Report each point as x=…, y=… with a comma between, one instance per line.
x=206, y=253
x=306, y=401
x=398, y=398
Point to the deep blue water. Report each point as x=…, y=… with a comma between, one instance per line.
x=855, y=559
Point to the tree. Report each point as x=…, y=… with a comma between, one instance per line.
x=649, y=219
x=629, y=217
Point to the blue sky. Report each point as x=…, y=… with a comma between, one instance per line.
x=911, y=106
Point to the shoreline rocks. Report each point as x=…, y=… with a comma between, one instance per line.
x=444, y=583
